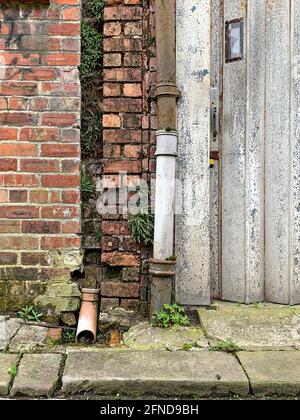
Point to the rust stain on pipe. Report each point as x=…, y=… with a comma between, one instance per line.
x=166, y=91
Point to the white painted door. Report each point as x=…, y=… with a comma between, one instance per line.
x=259, y=142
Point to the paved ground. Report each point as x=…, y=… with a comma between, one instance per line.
x=182, y=362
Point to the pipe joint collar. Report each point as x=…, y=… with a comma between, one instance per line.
x=166, y=143
x=166, y=89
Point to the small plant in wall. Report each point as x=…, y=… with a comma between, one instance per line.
x=30, y=313
x=142, y=227
x=170, y=315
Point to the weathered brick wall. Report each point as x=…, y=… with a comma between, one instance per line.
x=39, y=152
x=129, y=125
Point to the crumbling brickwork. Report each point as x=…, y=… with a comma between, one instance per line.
x=129, y=125
x=39, y=153
x=40, y=167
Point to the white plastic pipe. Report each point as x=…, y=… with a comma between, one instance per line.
x=166, y=153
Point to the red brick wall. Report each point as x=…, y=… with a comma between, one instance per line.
x=39, y=147
x=129, y=125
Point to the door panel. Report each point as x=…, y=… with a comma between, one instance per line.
x=233, y=169
x=277, y=151
x=261, y=156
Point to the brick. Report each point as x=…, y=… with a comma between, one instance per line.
x=132, y=60
x=110, y=243
x=111, y=167
x=38, y=196
x=8, y=133
x=39, y=73
x=34, y=258
x=8, y=165
x=39, y=165
x=60, y=181
x=112, y=29
x=60, y=120
x=122, y=44
x=61, y=59
x=16, y=196
x=111, y=121
x=120, y=259
x=60, y=242
x=122, y=136
x=112, y=151
x=123, y=13
x=39, y=134
x=115, y=228
x=70, y=166
x=118, y=289
x=132, y=89
x=122, y=75
x=70, y=197
x=112, y=89
x=3, y=196
x=19, y=274
x=18, y=118
x=132, y=151
x=10, y=149
x=14, y=58
x=40, y=227
x=122, y=105
x=66, y=2
x=70, y=135
x=60, y=89
x=133, y=28
x=19, y=212
x=112, y=60
x=64, y=29
x=60, y=150
x=59, y=212
x=71, y=227
x=71, y=13
x=70, y=44
x=8, y=258
x=18, y=180
x=18, y=88
x=10, y=226
x=132, y=121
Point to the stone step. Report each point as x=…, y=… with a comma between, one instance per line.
x=272, y=373
x=8, y=367
x=159, y=373
x=38, y=375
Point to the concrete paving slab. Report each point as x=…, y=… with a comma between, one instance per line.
x=38, y=375
x=29, y=338
x=272, y=373
x=7, y=361
x=8, y=328
x=134, y=373
x=145, y=337
x=252, y=327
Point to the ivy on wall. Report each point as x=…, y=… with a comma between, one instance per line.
x=91, y=76
x=91, y=69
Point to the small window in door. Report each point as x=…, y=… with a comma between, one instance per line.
x=234, y=40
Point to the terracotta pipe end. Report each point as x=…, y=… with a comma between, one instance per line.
x=88, y=316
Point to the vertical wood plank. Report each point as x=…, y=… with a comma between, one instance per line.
x=254, y=177
x=277, y=154
x=295, y=155
x=193, y=79
x=233, y=169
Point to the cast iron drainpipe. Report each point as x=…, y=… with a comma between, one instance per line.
x=166, y=93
